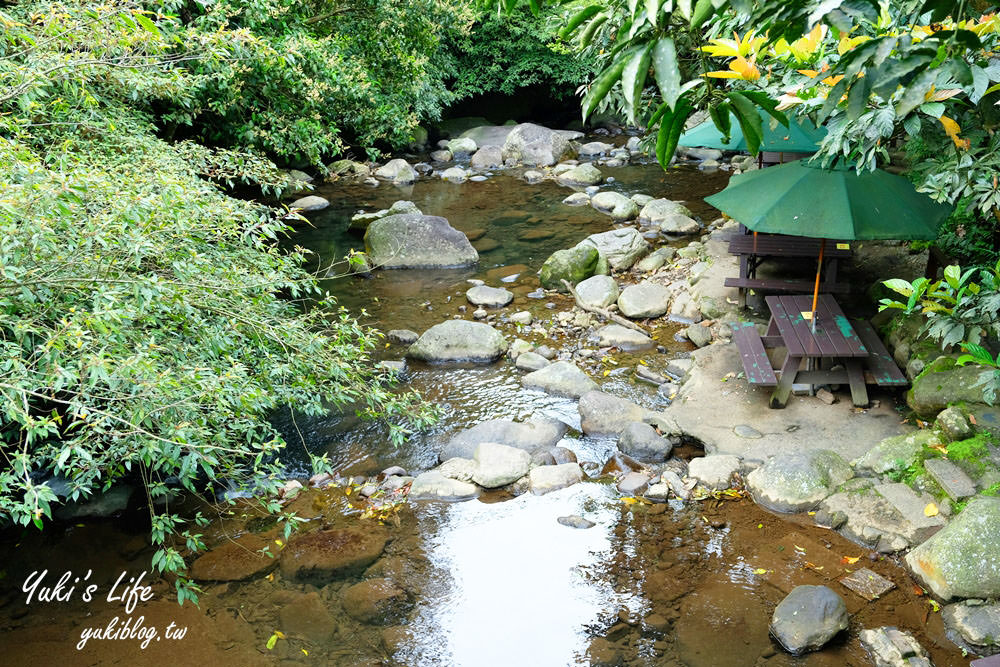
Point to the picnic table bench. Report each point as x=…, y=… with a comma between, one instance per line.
x=753, y=251
x=853, y=345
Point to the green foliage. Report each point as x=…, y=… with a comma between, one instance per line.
x=971, y=451
x=958, y=310
x=505, y=54
x=970, y=236
x=149, y=323
x=989, y=379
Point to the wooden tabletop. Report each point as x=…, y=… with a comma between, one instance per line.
x=834, y=335
x=786, y=246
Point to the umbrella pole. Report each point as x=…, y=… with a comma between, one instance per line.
x=819, y=270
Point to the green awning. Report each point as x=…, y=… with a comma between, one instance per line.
x=798, y=137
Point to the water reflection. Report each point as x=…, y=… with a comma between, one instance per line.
x=514, y=585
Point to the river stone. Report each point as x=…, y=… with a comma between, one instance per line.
x=535, y=146
x=577, y=199
x=491, y=297
x=103, y=504
x=943, y=384
x=656, y=211
x=533, y=176
x=598, y=291
x=538, y=433
x=363, y=220
x=562, y=378
x=433, y=485
x=583, y=174
x=529, y=361
x=798, y=482
x=620, y=247
x=615, y=204
x=700, y=336
x=886, y=517
x=349, y=168
x=975, y=624
x=234, y=560
x=487, y=157
x=595, y=148
x=310, y=203
x=443, y=155
x=633, y=484
x=889, y=646
x=522, y=317
x=454, y=175
x=604, y=414
x=629, y=340
x=411, y=241
x=644, y=300
x=374, y=601
x=656, y=259
x=499, y=465
x=808, y=618
x=953, y=424
x=397, y=171
x=896, y=453
x=715, y=472
x=324, y=555
x=307, y=616
x=963, y=558
x=952, y=479
x=545, y=479
x=402, y=336
x=458, y=468
x=642, y=442
x=459, y=340
x=700, y=153
x=572, y=265
x=462, y=147
x=576, y=521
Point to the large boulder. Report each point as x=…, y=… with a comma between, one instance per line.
x=808, y=618
x=412, y=241
x=536, y=146
x=563, y=378
x=644, y=300
x=598, y=291
x=572, y=265
x=963, y=558
x=487, y=136
x=487, y=157
x=615, y=204
x=323, y=555
x=532, y=435
x=642, y=442
x=798, y=482
x=615, y=335
x=459, y=340
x=398, y=171
x=434, y=485
x=896, y=453
x=462, y=147
x=942, y=384
x=499, y=465
x=583, y=174
x=604, y=414
x=620, y=247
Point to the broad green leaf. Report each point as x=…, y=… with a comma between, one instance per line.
x=857, y=98
x=601, y=86
x=933, y=109
x=749, y=120
x=703, y=9
x=147, y=25
x=899, y=286
x=684, y=7
x=653, y=11
x=668, y=75
x=915, y=93
x=592, y=27
x=578, y=19
x=634, y=78
x=953, y=275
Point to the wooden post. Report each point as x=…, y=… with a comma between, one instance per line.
x=819, y=270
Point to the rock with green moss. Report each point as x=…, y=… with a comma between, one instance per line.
x=897, y=453
x=953, y=424
x=798, y=482
x=573, y=265
x=942, y=384
x=963, y=559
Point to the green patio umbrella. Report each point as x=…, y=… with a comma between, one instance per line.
x=796, y=138
x=803, y=199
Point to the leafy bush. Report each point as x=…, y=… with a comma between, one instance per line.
x=989, y=379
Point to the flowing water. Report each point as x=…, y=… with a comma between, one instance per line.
x=493, y=581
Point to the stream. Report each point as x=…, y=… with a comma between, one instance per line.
x=492, y=581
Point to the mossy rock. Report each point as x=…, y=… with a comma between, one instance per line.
x=897, y=453
x=573, y=265
x=941, y=384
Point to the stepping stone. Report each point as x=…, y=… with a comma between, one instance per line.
x=911, y=506
x=950, y=478
x=867, y=584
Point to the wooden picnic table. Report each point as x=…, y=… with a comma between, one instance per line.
x=753, y=251
x=852, y=346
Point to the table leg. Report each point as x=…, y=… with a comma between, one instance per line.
x=856, y=378
x=789, y=369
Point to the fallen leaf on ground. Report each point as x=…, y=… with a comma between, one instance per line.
x=760, y=570
x=850, y=560
x=931, y=510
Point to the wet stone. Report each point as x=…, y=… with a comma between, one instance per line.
x=745, y=431
x=869, y=585
x=529, y=361
x=402, y=336
x=234, y=561
x=576, y=521
x=375, y=601
x=326, y=554
x=808, y=618
x=545, y=479
x=306, y=615
x=633, y=484
x=490, y=297
x=974, y=624
x=890, y=647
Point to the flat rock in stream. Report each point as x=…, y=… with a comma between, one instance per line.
x=310, y=203
x=644, y=300
x=798, y=482
x=620, y=247
x=615, y=335
x=715, y=472
x=432, y=485
x=459, y=340
x=545, y=479
x=234, y=560
x=562, y=378
x=324, y=555
x=604, y=414
x=889, y=646
x=598, y=291
x=375, y=601
x=975, y=624
x=490, y=297
x=575, y=521
x=615, y=204
x=411, y=240
x=642, y=442
x=537, y=433
x=499, y=465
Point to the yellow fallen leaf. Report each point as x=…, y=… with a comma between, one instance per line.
x=850, y=560
x=281, y=635
x=304, y=652
x=931, y=510
x=760, y=525
x=628, y=500
x=798, y=548
x=348, y=491
x=279, y=542
x=760, y=570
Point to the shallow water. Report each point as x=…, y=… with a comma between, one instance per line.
x=493, y=581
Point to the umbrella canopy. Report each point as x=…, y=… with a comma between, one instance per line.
x=801, y=199
x=796, y=138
